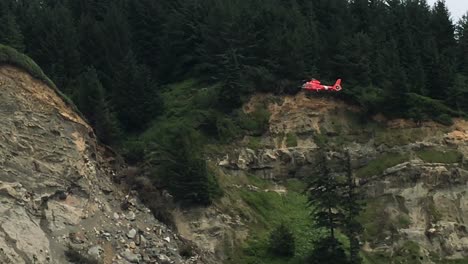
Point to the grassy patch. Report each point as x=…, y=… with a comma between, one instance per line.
x=291, y=140
x=295, y=185
x=268, y=209
x=254, y=143
x=256, y=122
x=439, y=156
x=399, y=137
x=377, y=166
x=10, y=56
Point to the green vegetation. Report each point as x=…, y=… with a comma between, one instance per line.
x=92, y=99
x=282, y=241
x=409, y=252
x=183, y=170
x=378, y=223
x=291, y=140
x=160, y=80
x=140, y=47
x=399, y=137
x=439, y=156
x=10, y=56
x=336, y=204
x=267, y=210
x=431, y=210
x=254, y=143
x=328, y=250
x=377, y=166
x=255, y=122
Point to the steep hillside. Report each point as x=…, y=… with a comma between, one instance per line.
x=414, y=176
x=57, y=199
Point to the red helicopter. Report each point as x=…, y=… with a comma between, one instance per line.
x=315, y=85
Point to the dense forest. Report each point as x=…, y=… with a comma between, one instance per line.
x=118, y=61
x=113, y=58
x=159, y=79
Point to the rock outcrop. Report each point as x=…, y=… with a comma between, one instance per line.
x=57, y=200
x=415, y=175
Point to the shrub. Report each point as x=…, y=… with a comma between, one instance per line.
x=282, y=242
x=133, y=151
x=227, y=130
x=256, y=122
x=291, y=140
x=327, y=250
x=444, y=119
x=423, y=106
x=254, y=143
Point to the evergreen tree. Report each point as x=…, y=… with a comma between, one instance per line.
x=90, y=97
x=336, y=203
x=180, y=38
x=353, y=207
x=394, y=56
x=458, y=94
x=443, y=64
x=96, y=9
x=10, y=32
x=146, y=21
x=325, y=197
x=114, y=43
x=282, y=241
x=462, y=36
x=328, y=251
x=53, y=42
x=184, y=171
x=135, y=94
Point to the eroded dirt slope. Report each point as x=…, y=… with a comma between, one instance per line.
x=56, y=188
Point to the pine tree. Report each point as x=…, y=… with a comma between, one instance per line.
x=353, y=207
x=328, y=251
x=458, y=94
x=443, y=64
x=90, y=97
x=184, y=171
x=462, y=36
x=336, y=203
x=53, y=43
x=325, y=192
x=10, y=33
x=282, y=241
x=135, y=94
x=146, y=21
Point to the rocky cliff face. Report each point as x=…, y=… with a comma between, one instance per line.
x=56, y=193
x=415, y=175
x=57, y=197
